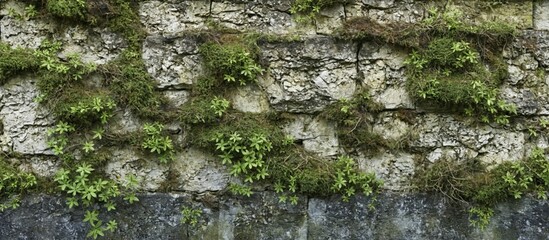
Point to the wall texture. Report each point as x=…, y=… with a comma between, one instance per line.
x=303, y=77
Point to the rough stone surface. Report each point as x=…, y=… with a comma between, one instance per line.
x=199, y=172
x=149, y=172
x=396, y=216
x=95, y=45
x=396, y=170
x=304, y=77
x=170, y=17
x=541, y=18
x=22, y=32
x=173, y=61
x=24, y=121
x=307, y=67
x=250, y=99
x=317, y=135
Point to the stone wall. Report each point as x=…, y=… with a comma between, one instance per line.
x=303, y=77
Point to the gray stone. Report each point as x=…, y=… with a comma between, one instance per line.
x=396, y=216
x=506, y=146
x=250, y=99
x=177, y=98
x=262, y=217
x=24, y=121
x=173, y=62
x=396, y=170
x=95, y=45
x=317, y=135
x=149, y=172
x=199, y=172
x=541, y=18
x=124, y=122
x=27, y=33
x=304, y=77
x=170, y=17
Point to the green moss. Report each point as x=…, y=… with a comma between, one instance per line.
x=449, y=23
x=126, y=21
x=132, y=86
x=15, y=61
x=76, y=9
x=232, y=62
x=203, y=110
x=13, y=183
x=83, y=107
x=307, y=10
x=470, y=183
x=451, y=74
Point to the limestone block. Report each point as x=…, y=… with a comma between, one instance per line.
x=199, y=172
x=24, y=121
x=541, y=16
x=317, y=135
x=149, y=172
x=305, y=77
x=171, y=17
x=27, y=33
x=173, y=62
x=95, y=45
x=250, y=99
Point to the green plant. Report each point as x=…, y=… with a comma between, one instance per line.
x=353, y=127
x=190, y=215
x=231, y=62
x=204, y=110
x=469, y=183
x=219, y=106
x=348, y=179
x=245, y=154
x=82, y=187
x=239, y=189
x=132, y=86
x=87, y=110
x=15, y=61
x=480, y=217
x=68, y=8
x=13, y=184
x=308, y=10
x=157, y=143
x=58, y=137
x=450, y=73
x=28, y=13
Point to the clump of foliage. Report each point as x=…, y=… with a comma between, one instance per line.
x=257, y=151
x=450, y=73
x=454, y=65
x=126, y=21
x=59, y=137
x=307, y=10
x=83, y=188
x=86, y=110
x=58, y=76
x=190, y=215
x=231, y=61
x=468, y=183
x=13, y=183
x=449, y=22
x=76, y=9
x=132, y=86
x=156, y=142
x=204, y=110
x=29, y=12
x=322, y=178
x=353, y=125
x=15, y=61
